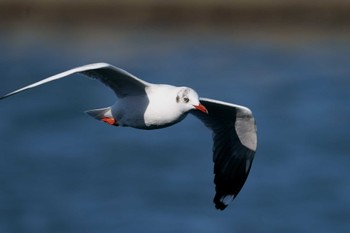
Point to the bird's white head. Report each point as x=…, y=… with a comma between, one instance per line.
x=188, y=99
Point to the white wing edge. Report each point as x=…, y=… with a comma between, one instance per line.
x=59, y=76
x=244, y=109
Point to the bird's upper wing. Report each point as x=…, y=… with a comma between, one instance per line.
x=235, y=141
x=120, y=81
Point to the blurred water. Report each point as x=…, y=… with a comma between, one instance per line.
x=61, y=171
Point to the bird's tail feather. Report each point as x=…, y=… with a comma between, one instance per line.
x=100, y=113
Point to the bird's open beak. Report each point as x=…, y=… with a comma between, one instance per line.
x=201, y=108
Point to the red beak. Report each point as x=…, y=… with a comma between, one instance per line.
x=201, y=108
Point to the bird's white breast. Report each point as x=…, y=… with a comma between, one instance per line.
x=163, y=109
x=156, y=109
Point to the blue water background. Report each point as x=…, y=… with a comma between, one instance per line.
x=62, y=171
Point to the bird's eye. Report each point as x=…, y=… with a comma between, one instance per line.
x=186, y=99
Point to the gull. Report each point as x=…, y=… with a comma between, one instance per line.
x=147, y=106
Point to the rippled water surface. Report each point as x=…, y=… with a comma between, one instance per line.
x=62, y=171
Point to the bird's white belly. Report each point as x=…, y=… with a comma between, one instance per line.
x=137, y=113
x=155, y=118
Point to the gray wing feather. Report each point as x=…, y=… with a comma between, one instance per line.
x=117, y=79
x=235, y=141
x=120, y=81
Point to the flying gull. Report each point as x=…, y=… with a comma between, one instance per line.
x=145, y=105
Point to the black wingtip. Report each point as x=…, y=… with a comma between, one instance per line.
x=7, y=95
x=219, y=204
x=3, y=97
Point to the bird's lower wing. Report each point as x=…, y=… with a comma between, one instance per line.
x=117, y=79
x=235, y=141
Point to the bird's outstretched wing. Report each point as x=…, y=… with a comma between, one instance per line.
x=235, y=141
x=120, y=81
